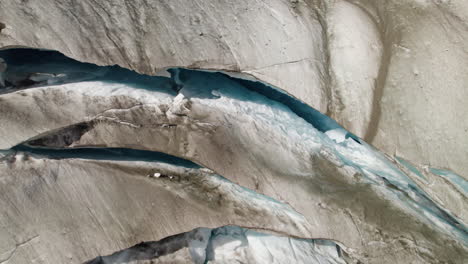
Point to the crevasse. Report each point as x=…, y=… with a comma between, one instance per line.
x=315, y=132
x=265, y=102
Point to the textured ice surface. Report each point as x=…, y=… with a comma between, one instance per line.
x=265, y=103
x=237, y=244
x=232, y=244
x=234, y=191
x=309, y=131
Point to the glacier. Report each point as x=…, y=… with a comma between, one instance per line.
x=373, y=66
x=242, y=152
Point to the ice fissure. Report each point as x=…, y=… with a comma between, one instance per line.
x=286, y=168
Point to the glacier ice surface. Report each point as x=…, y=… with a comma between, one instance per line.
x=266, y=103
x=316, y=132
x=232, y=244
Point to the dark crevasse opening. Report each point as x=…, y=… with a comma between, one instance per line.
x=28, y=68
x=122, y=154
